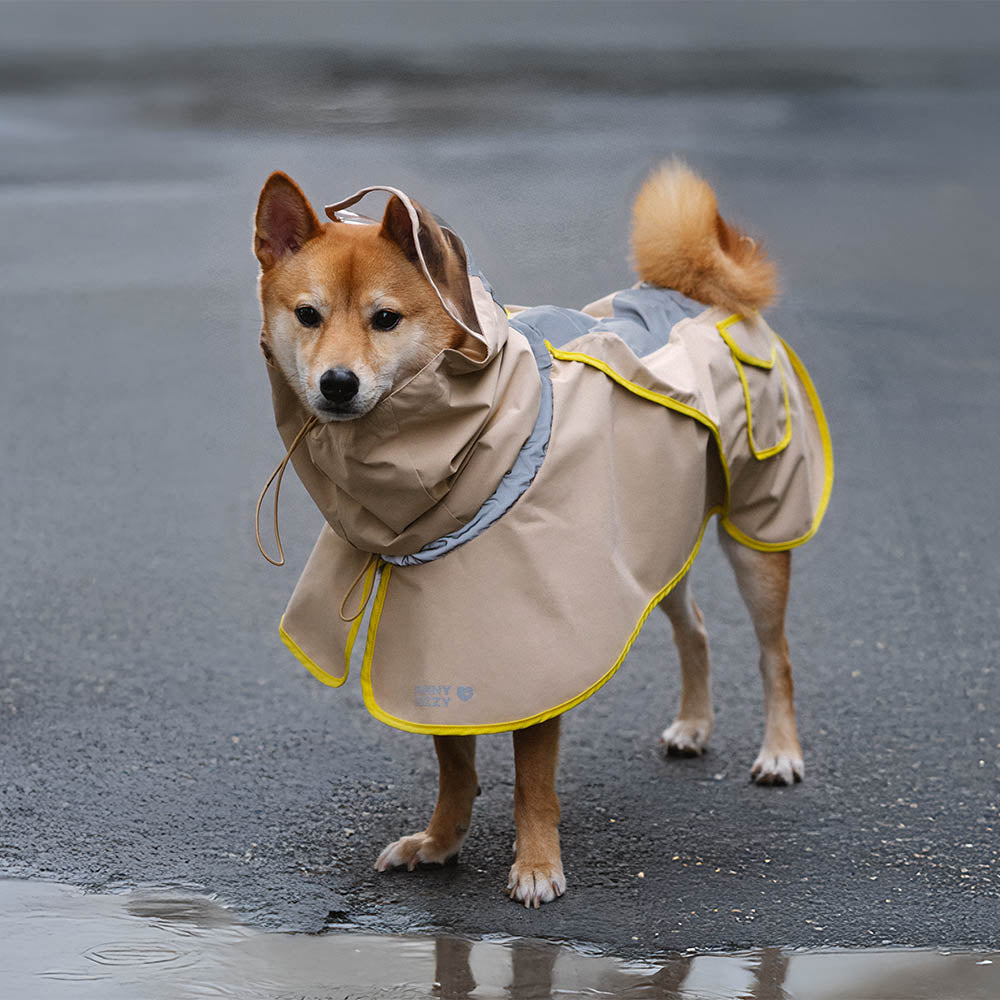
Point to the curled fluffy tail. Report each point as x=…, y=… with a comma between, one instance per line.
x=680, y=241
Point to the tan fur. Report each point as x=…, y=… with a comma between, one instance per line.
x=457, y=790
x=346, y=272
x=680, y=241
x=537, y=873
x=763, y=579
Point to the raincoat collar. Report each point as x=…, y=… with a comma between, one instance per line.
x=426, y=458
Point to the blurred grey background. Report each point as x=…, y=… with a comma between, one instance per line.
x=153, y=728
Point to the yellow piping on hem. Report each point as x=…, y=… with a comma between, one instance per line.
x=673, y=404
x=824, y=500
x=380, y=596
x=318, y=672
x=534, y=720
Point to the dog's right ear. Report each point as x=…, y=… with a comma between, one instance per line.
x=443, y=253
x=285, y=221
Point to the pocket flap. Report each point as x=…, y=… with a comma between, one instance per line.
x=756, y=357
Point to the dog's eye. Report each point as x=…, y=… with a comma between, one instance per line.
x=386, y=319
x=308, y=316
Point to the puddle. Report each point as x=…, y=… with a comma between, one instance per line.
x=56, y=941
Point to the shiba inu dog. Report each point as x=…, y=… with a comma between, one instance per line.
x=346, y=318
x=439, y=429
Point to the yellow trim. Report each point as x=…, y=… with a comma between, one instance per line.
x=503, y=727
x=380, y=596
x=745, y=356
x=655, y=397
x=673, y=404
x=739, y=358
x=318, y=672
x=639, y=390
x=762, y=453
x=356, y=624
x=824, y=500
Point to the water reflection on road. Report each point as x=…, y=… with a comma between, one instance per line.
x=56, y=941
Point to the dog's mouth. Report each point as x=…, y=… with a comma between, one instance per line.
x=332, y=410
x=328, y=412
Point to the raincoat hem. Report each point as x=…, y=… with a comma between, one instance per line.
x=383, y=582
x=703, y=418
x=824, y=500
x=318, y=672
x=533, y=720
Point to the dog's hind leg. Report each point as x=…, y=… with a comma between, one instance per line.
x=763, y=579
x=457, y=790
x=537, y=875
x=688, y=734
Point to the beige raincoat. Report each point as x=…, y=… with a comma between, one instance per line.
x=528, y=510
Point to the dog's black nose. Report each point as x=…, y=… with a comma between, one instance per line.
x=338, y=385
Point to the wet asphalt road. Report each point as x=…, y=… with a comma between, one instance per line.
x=153, y=729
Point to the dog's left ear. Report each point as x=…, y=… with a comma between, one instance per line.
x=285, y=221
x=443, y=253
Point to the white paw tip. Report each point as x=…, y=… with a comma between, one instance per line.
x=534, y=887
x=685, y=738
x=412, y=851
x=777, y=769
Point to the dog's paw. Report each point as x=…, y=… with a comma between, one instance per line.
x=686, y=737
x=777, y=768
x=418, y=849
x=534, y=884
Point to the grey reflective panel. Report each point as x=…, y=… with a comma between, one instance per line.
x=473, y=269
x=676, y=305
x=553, y=323
x=518, y=478
x=644, y=317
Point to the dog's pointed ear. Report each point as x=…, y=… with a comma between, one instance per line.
x=442, y=251
x=398, y=227
x=284, y=222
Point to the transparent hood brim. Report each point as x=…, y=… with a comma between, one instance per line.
x=337, y=213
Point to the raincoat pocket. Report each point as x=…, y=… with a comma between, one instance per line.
x=755, y=355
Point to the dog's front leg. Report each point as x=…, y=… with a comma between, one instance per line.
x=688, y=734
x=536, y=876
x=458, y=786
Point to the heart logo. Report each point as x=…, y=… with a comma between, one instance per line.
x=464, y=692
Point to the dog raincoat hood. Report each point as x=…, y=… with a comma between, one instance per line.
x=422, y=462
x=514, y=513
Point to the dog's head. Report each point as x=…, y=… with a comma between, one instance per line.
x=348, y=311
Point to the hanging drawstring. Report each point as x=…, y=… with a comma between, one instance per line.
x=276, y=478
x=364, y=596
x=279, y=472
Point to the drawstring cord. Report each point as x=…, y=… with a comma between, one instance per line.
x=276, y=478
x=364, y=596
x=278, y=473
